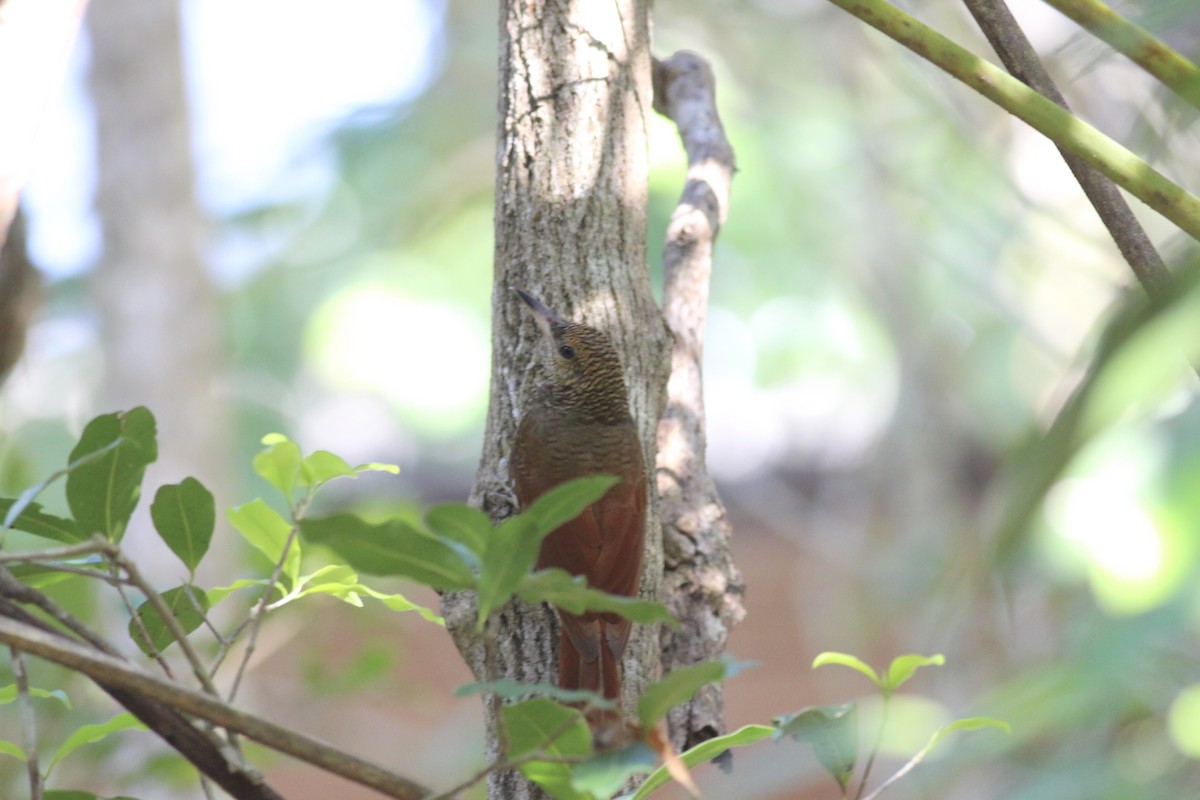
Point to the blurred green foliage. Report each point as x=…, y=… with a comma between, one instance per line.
x=908, y=292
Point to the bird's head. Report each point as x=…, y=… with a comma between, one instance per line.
x=584, y=366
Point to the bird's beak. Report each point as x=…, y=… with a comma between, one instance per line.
x=542, y=315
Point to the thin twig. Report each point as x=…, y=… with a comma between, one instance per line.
x=28, y=724
x=139, y=624
x=258, y=614
x=12, y=588
x=168, y=618
x=200, y=747
x=900, y=773
x=96, y=544
x=75, y=569
x=188, y=589
x=115, y=673
x=1150, y=53
x=1010, y=43
x=862, y=784
x=1066, y=130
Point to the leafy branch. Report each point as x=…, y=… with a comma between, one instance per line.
x=459, y=548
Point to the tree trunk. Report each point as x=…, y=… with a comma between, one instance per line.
x=570, y=227
x=159, y=310
x=35, y=42
x=20, y=292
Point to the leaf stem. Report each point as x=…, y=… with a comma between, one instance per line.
x=258, y=613
x=900, y=773
x=862, y=783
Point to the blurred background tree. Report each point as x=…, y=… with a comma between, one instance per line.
x=908, y=289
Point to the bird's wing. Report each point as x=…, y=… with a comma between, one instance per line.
x=583, y=633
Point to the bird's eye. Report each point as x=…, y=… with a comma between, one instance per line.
x=566, y=351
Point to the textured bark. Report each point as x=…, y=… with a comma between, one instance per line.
x=701, y=584
x=570, y=226
x=159, y=311
x=20, y=291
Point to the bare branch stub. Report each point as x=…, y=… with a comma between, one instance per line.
x=701, y=585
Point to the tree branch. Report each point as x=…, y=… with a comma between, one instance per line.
x=113, y=673
x=204, y=751
x=1151, y=54
x=1066, y=130
x=701, y=585
x=1010, y=43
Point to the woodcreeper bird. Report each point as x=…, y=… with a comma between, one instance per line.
x=578, y=424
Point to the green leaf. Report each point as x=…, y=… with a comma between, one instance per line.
x=391, y=548
x=10, y=749
x=180, y=606
x=89, y=734
x=323, y=466
x=511, y=552
x=555, y=731
x=566, y=501
x=555, y=778
x=219, y=593
x=847, y=660
x=971, y=724
x=263, y=527
x=25, y=500
x=75, y=794
x=9, y=693
x=545, y=727
x=398, y=602
x=509, y=689
x=279, y=463
x=705, y=751
x=184, y=515
x=833, y=733
x=31, y=519
x=378, y=466
x=675, y=688
x=903, y=667
x=461, y=523
x=103, y=491
x=327, y=577
x=341, y=581
x=572, y=594
x=604, y=775
x=968, y=724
